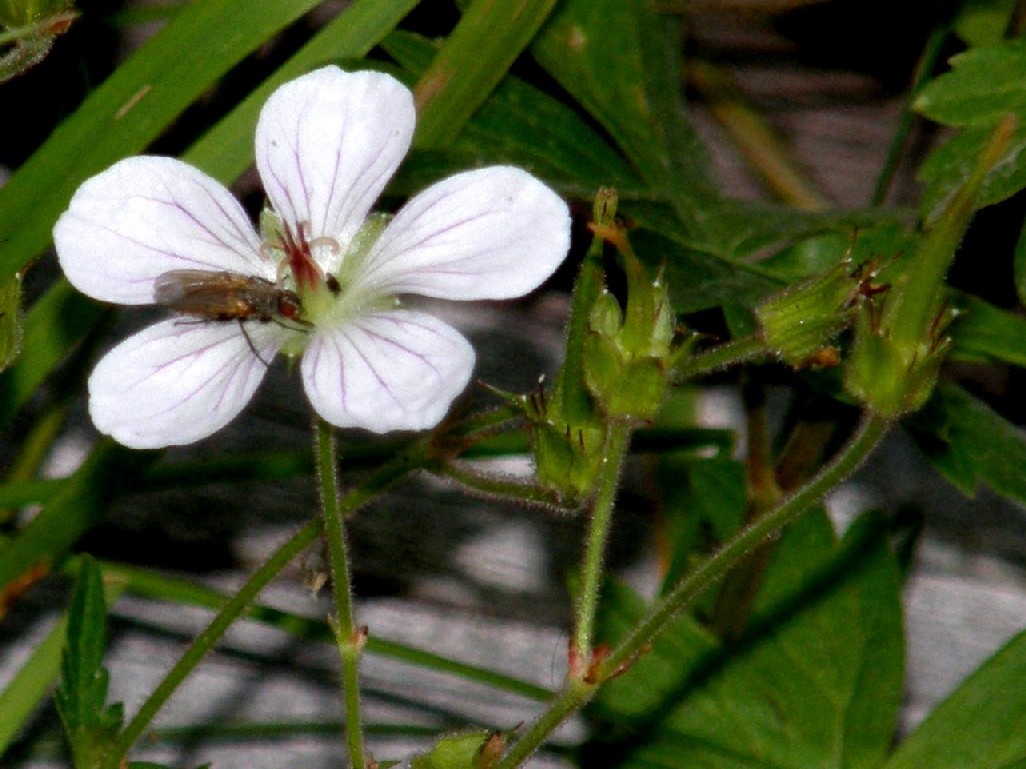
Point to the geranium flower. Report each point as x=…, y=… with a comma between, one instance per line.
x=326, y=145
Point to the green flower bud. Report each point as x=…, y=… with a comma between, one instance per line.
x=25, y=13
x=626, y=354
x=466, y=750
x=802, y=322
x=568, y=458
x=880, y=375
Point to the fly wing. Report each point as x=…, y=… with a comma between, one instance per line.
x=172, y=288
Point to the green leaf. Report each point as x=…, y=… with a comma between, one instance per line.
x=983, y=22
x=949, y=166
x=983, y=333
x=471, y=62
x=698, y=280
x=89, y=723
x=980, y=726
x=715, y=271
x=33, y=682
x=816, y=682
x=983, y=86
x=1019, y=265
x=11, y=321
x=517, y=124
x=621, y=62
x=58, y=320
x=129, y=110
x=74, y=509
x=701, y=498
x=970, y=443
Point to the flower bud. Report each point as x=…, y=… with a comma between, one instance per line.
x=462, y=750
x=627, y=353
x=879, y=375
x=24, y=13
x=567, y=456
x=802, y=322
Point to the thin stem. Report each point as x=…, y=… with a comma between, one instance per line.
x=491, y=485
x=572, y=697
x=349, y=638
x=735, y=599
x=914, y=303
x=870, y=431
x=576, y=693
x=205, y=641
x=238, y=604
x=744, y=350
x=617, y=442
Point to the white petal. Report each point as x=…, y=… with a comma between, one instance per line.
x=494, y=233
x=145, y=216
x=176, y=382
x=396, y=370
x=326, y=145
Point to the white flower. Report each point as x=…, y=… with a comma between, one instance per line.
x=326, y=146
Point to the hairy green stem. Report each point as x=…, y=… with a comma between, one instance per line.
x=870, y=431
x=688, y=366
x=618, y=440
x=576, y=693
x=349, y=638
x=239, y=604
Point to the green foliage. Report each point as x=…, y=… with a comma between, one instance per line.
x=11, y=321
x=980, y=724
x=89, y=723
x=984, y=85
x=970, y=443
x=946, y=170
x=618, y=60
x=815, y=682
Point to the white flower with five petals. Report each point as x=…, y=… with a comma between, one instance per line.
x=327, y=144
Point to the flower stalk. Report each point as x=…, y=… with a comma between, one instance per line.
x=577, y=692
x=349, y=638
x=206, y=640
x=388, y=473
x=618, y=438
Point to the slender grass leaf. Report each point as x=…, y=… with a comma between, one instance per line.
x=22, y=695
x=470, y=63
x=517, y=124
x=621, y=62
x=60, y=319
x=226, y=150
x=129, y=110
x=73, y=510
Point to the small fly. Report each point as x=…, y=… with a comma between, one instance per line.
x=227, y=296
